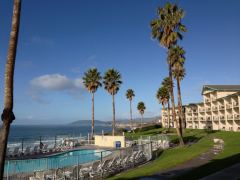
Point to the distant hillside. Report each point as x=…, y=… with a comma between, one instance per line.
x=89, y=123
x=149, y=119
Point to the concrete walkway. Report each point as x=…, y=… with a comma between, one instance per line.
x=230, y=173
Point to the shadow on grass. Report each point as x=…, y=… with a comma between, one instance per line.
x=196, y=173
x=211, y=167
x=187, y=139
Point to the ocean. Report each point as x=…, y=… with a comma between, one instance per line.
x=31, y=134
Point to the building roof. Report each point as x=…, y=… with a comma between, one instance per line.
x=221, y=88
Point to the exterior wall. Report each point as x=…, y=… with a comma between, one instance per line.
x=165, y=117
x=221, y=94
x=109, y=141
x=220, y=110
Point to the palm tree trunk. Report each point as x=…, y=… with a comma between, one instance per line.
x=168, y=115
x=113, y=123
x=131, y=114
x=180, y=106
x=141, y=120
x=92, y=116
x=7, y=115
x=173, y=107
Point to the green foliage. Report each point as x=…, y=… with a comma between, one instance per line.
x=163, y=95
x=130, y=94
x=92, y=80
x=178, y=155
x=147, y=128
x=141, y=107
x=112, y=81
x=167, y=27
x=167, y=83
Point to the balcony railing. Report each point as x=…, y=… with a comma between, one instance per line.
x=209, y=118
x=236, y=117
x=215, y=118
x=222, y=117
x=221, y=107
x=208, y=109
x=235, y=104
x=214, y=108
x=214, y=98
x=201, y=109
x=195, y=118
x=228, y=106
x=229, y=117
x=201, y=119
x=207, y=100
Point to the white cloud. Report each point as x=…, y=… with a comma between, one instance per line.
x=54, y=83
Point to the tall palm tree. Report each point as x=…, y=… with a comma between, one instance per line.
x=178, y=59
x=167, y=29
x=141, y=108
x=163, y=98
x=130, y=94
x=92, y=81
x=112, y=81
x=7, y=115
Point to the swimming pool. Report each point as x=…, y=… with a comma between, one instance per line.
x=62, y=160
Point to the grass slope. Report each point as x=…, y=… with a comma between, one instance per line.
x=175, y=156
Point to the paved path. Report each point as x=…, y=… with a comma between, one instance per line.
x=204, y=158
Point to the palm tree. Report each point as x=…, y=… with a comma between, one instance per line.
x=168, y=84
x=130, y=94
x=8, y=115
x=141, y=108
x=178, y=59
x=163, y=98
x=167, y=29
x=92, y=81
x=112, y=82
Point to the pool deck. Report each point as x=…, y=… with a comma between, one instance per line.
x=47, y=154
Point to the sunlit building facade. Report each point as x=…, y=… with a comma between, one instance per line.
x=219, y=110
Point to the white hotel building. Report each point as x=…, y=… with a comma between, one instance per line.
x=219, y=110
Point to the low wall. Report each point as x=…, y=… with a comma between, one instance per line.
x=109, y=141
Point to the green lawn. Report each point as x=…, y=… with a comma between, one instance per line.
x=172, y=157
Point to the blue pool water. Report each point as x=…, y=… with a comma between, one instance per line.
x=66, y=159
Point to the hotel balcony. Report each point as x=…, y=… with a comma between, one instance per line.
x=208, y=109
x=195, y=118
x=228, y=106
x=195, y=111
x=235, y=104
x=215, y=118
x=201, y=119
x=209, y=118
x=229, y=117
x=214, y=98
x=221, y=107
x=236, y=117
x=214, y=108
x=207, y=100
x=222, y=118
x=201, y=109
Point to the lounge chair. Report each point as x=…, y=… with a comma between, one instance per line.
x=95, y=169
x=27, y=151
x=60, y=174
x=35, y=150
x=16, y=152
x=45, y=148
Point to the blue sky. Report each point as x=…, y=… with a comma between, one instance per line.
x=60, y=40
